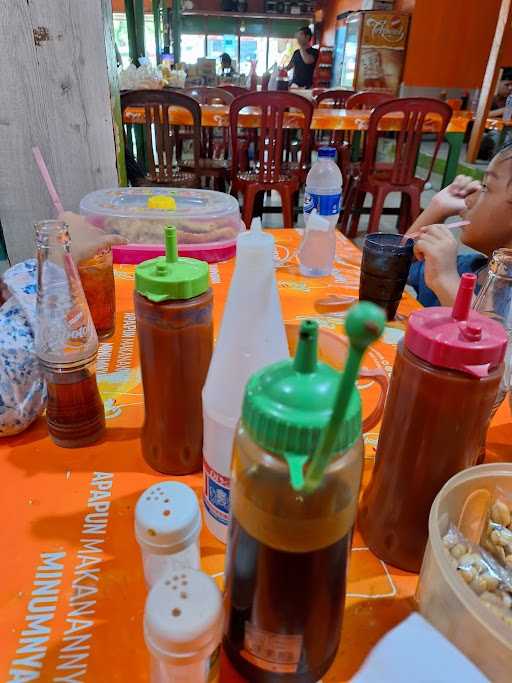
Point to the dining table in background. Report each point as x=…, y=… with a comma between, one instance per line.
x=324, y=118
x=49, y=496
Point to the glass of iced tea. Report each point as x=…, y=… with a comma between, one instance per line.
x=97, y=277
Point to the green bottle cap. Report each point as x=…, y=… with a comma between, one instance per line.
x=288, y=405
x=171, y=276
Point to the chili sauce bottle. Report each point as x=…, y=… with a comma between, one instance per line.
x=173, y=309
x=445, y=379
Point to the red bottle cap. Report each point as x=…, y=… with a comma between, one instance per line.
x=459, y=338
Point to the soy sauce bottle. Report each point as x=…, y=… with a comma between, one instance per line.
x=293, y=510
x=444, y=384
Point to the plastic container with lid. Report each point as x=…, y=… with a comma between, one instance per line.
x=445, y=380
x=183, y=628
x=173, y=310
x=444, y=598
x=167, y=526
x=296, y=472
x=207, y=222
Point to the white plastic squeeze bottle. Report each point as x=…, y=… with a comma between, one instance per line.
x=183, y=627
x=251, y=336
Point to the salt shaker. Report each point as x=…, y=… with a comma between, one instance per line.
x=183, y=627
x=167, y=526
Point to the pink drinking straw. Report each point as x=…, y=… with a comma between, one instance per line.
x=48, y=181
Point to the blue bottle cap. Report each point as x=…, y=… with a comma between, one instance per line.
x=327, y=152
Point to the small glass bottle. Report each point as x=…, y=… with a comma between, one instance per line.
x=495, y=301
x=167, y=526
x=183, y=628
x=66, y=342
x=173, y=309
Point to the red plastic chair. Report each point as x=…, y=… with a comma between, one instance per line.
x=215, y=141
x=270, y=172
x=159, y=137
x=367, y=99
x=379, y=179
x=235, y=90
x=337, y=98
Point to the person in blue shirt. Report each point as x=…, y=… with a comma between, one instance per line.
x=487, y=207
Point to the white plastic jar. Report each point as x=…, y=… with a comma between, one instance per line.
x=167, y=527
x=183, y=628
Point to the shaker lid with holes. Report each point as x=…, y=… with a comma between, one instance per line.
x=167, y=518
x=183, y=616
x=457, y=338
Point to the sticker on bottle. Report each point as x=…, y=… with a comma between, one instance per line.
x=272, y=651
x=216, y=495
x=325, y=204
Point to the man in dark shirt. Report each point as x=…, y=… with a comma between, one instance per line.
x=303, y=60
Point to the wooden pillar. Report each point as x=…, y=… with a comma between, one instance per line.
x=58, y=88
x=490, y=80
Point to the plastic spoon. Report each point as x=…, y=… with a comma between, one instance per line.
x=474, y=514
x=364, y=325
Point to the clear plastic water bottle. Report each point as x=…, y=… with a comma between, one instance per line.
x=507, y=114
x=323, y=187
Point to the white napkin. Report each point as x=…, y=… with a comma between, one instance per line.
x=415, y=652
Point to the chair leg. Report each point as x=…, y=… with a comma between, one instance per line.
x=287, y=205
x=415, y=204
x=377, y=205
x=250, y=192
x=356, y=213
x=404, y=218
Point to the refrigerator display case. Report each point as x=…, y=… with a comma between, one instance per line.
x=374, y=45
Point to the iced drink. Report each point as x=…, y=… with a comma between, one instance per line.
x=384, y=270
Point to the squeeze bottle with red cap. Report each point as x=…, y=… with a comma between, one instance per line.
x=445, y=380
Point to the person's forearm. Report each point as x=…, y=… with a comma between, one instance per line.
x=446, y=289
x=306, y=57
x=433, y=214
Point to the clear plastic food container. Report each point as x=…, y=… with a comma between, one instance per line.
x=444, y=598
x=207, y=222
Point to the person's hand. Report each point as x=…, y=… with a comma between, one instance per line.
x=436, y=246
x=450, y=201
x=86, y=239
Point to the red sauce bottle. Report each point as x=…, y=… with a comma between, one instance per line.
x=445, y=380
x=173, y=309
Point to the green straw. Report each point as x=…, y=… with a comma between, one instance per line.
x=364, y=324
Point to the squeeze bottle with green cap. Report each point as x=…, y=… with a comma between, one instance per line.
x=251, y=336
x=296, y=473
x=173, y=309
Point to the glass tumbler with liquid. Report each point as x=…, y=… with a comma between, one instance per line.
x=445, y=380
x=66, y=342
x=97, y=276
x=173, y=309
x=288, y=550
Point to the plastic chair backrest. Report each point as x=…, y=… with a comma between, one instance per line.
x=416, y=115
x=367, y=99
x=156, y=103
x=338, y=98
x=273, y=106
x=235, y=90
x=205, y=94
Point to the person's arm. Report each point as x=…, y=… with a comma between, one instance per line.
x=449, y=202
x=437, y=248
x=307, y=57
x=496, y=113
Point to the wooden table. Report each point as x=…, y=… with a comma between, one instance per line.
x=324, y=118
x=47, y=495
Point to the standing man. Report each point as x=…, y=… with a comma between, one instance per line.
x=304, y=59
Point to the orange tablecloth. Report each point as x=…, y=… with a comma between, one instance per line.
x=47, y=493
x=323, y=118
